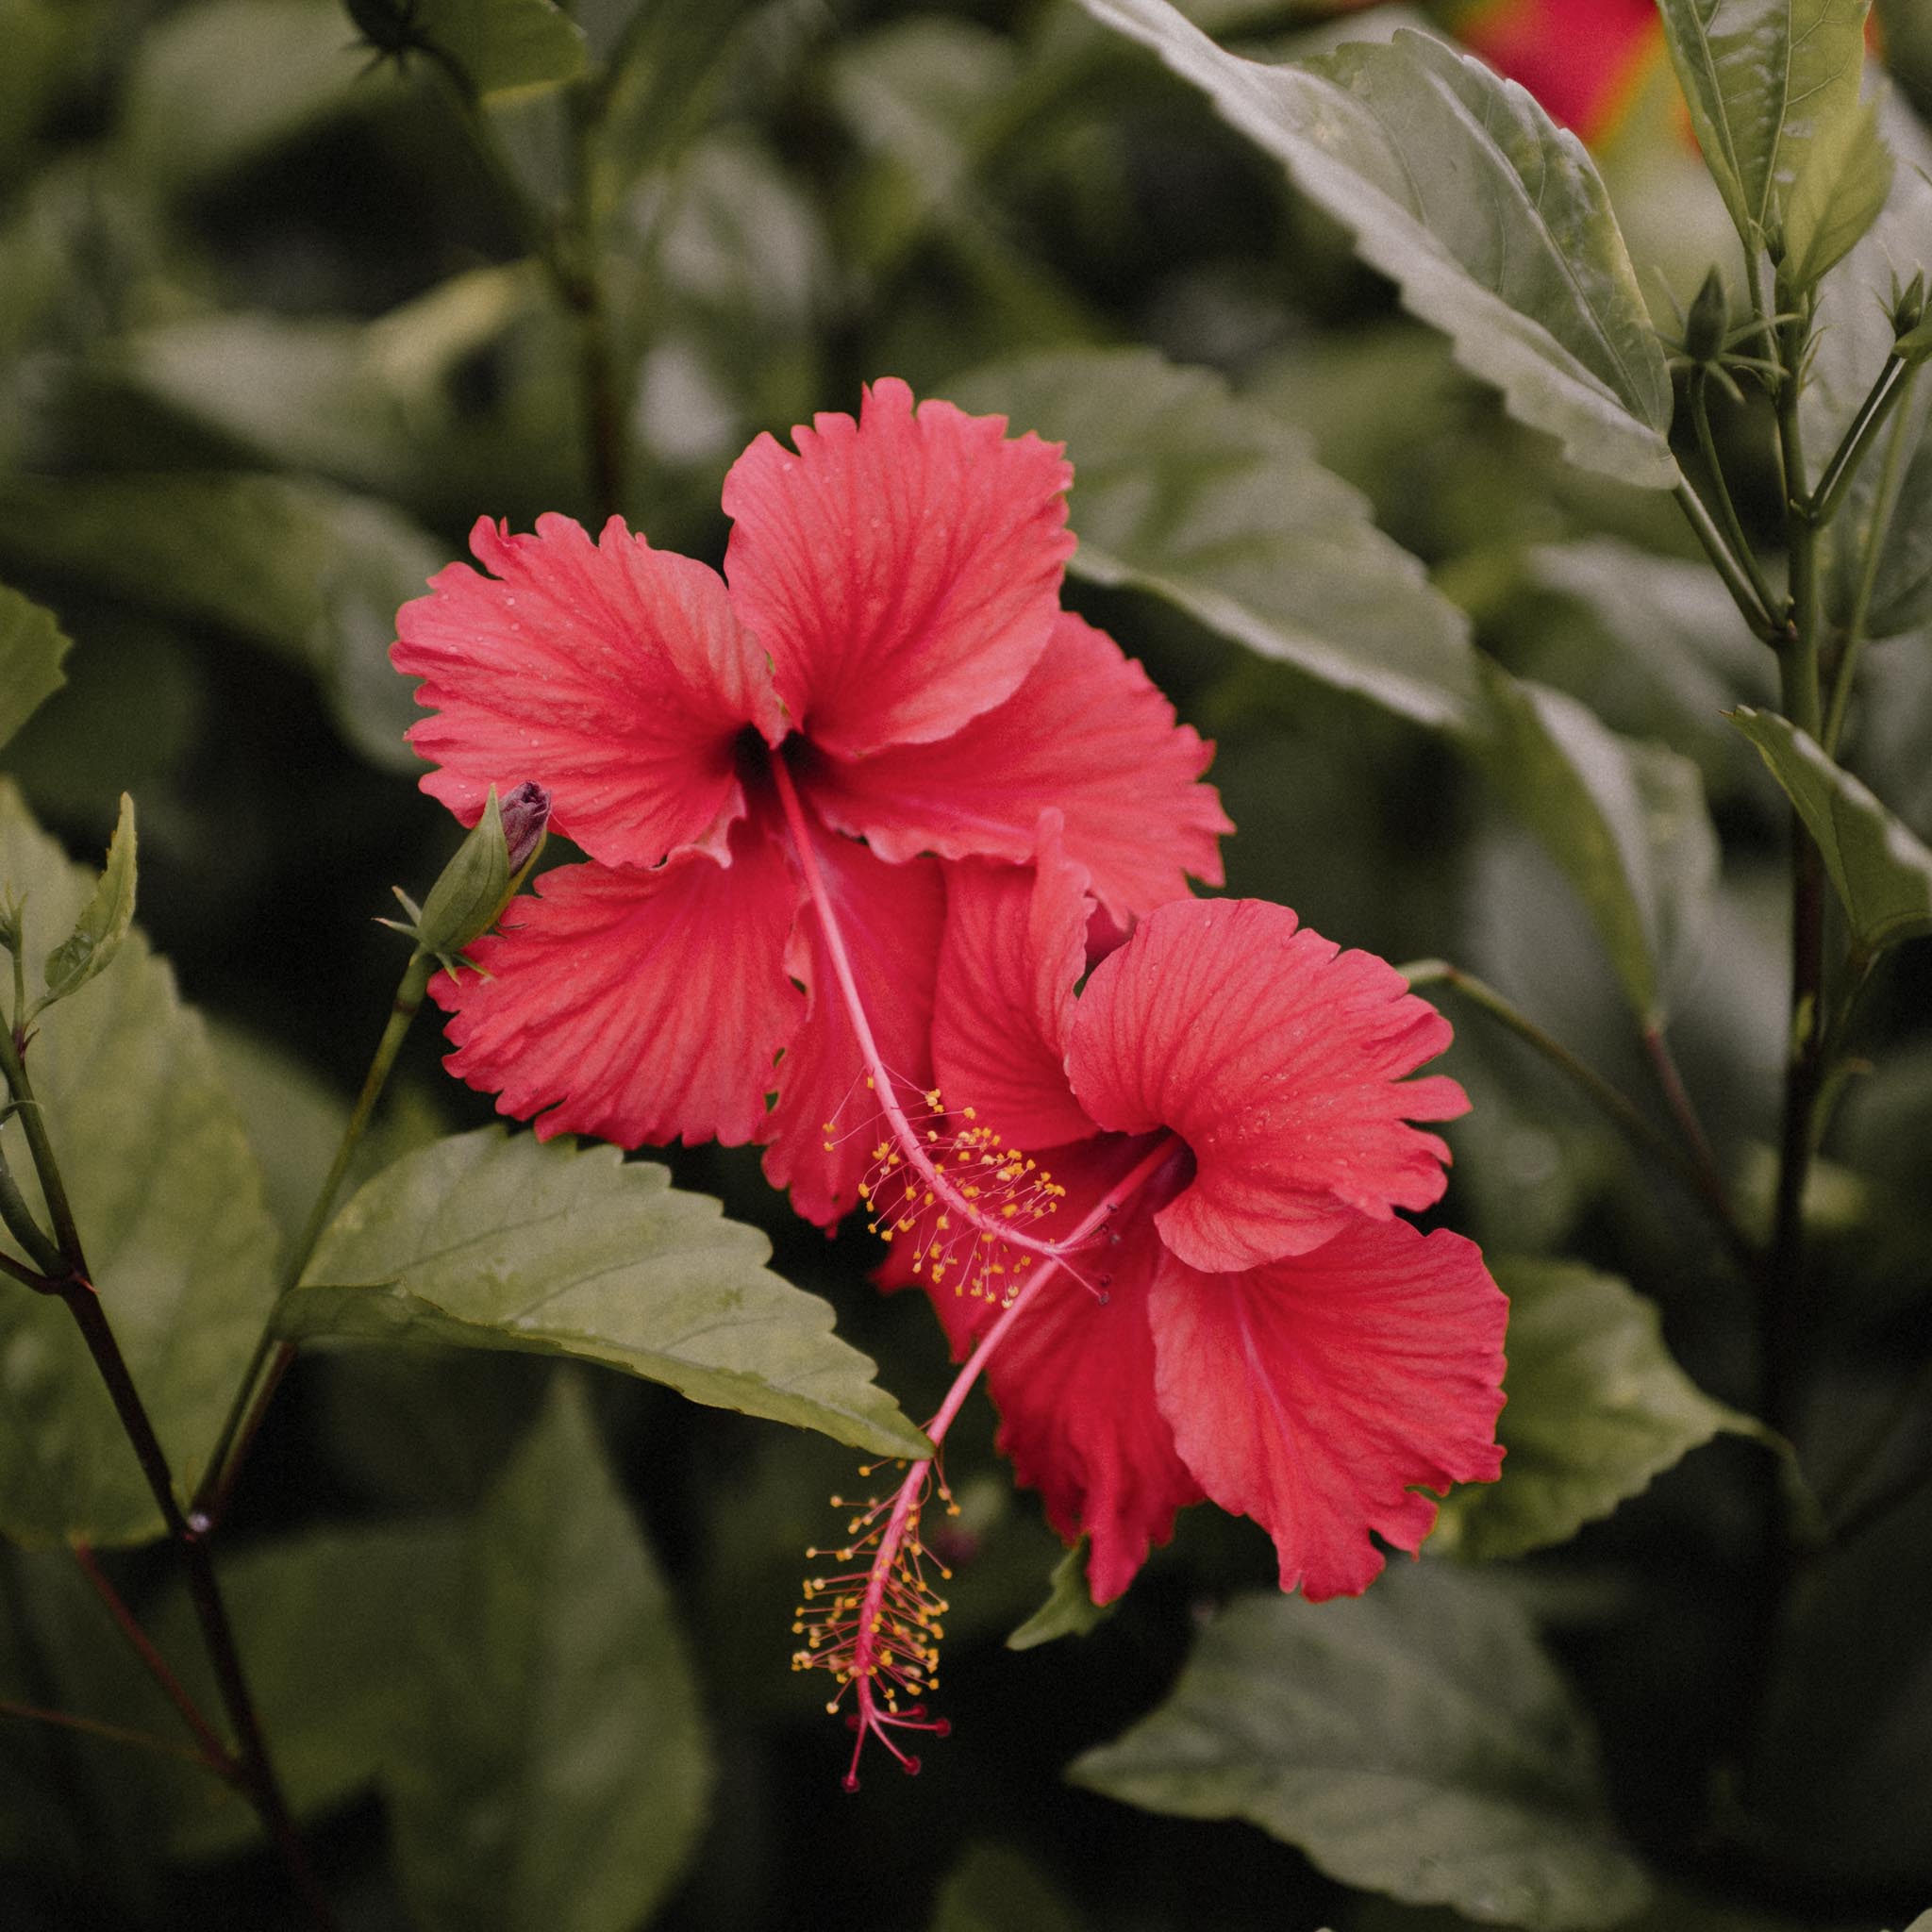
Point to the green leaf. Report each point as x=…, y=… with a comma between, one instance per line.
x=312, y=573
x=1415, y=1741
x=169, y=1202
x=104, y=921
x=995, y=1890
x=1493, y=223
x=1840, y=188
x=1596, y=1409
x=31, y=648
x=1625, y=820
x=489, y=1240
x=504, y=45
x=1766, y=80
x=1069, y=1610
x=1183, y=490
x=551, y=1769
x=1882, y=872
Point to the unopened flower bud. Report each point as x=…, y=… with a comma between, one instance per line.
x=525, y=820
x=1708, y=324
x=478, y=882
x=12, y=922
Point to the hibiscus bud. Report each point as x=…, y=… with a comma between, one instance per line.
x=1708, y=322
x=525, y=820
x=13, y=923
x=488, y=868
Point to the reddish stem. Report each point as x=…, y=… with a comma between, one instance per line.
x=215, y=1754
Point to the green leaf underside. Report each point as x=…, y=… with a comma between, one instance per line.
x=1183, y=490
x=552, y=1670
x=1882, y=874
x=1069, y=1610
x=1625, y=820
x=505, y=45
x=1597, y=1408
x=490, y=1240
x=104, y=921
x=31, y=648
x=169, y=1202
x=1493, y=223
x=1415, y=1741
x=312, y=573
x=1764, y=79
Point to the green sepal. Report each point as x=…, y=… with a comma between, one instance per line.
x=102, y=923
x=475, y=885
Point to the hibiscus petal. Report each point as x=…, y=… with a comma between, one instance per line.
x=890, y=917
x=1074, y=1382
x=589, y=1019
x=1015, y=947
x=1279, y=1061
x=904, y=571
x=1313, y=1393
x=1086, y=733
x=615, y=675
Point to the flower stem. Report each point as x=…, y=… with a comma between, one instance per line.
x=1693, y=1165
x=272, y=1358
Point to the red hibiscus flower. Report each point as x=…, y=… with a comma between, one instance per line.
x=1583, y=60
x=1241, y=1314
x=888, y=664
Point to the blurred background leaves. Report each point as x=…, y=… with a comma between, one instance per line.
x=279, y=320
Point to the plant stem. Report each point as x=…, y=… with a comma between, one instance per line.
x=21, y=1225
x=1798, y=685
x=1753, y=613
x=1740, y=545
x=1884, y=504
x=96, y=1728
x=1892, y=387
x=213, y=1753
x=1699, y=1175
x=571, y=270
x=272, y=1358
x=253, y=1769
x=1683, y=1111
x=33, y=1124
